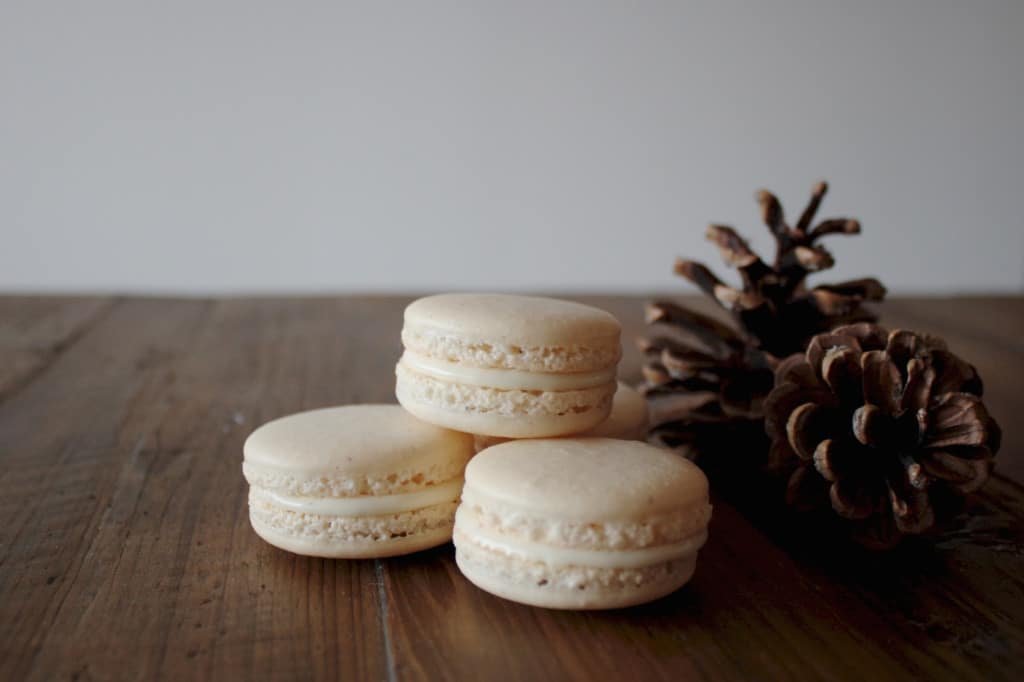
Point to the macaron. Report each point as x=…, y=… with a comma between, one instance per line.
x=511, y=366
x=627, y=420
x=353, y=482
x=588, y=523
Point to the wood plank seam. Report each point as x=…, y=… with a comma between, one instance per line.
x=59, y=348
x=385, y=625
x=221, y=608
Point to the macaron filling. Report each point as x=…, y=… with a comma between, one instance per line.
x=570, y=556
x=505, y=379
x=600, y=353
x=364, y=505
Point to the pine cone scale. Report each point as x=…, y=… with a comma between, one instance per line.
x=966, y=475
x=795, y=369
x=784, y=400
x=954, y=374
x=959, y=419
x=807, y=426
x=820, y=345
x=719, y=339
x=828, y=460
x=882, y=384
x=918, y=389
x=871, y=424
x=853, y=498
x=867, y=289
x=772, y=215
x=841, y=372
x=736, y=252
x=916, y=475
x=833, y=303
x=913, y=514
x=807, y=217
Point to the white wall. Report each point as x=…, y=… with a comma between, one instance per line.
x=202, y=147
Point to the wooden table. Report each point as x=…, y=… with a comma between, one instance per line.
x=126, y=553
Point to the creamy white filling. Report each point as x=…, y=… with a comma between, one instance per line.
x=365, y=505
x=506, y=379
x=566, y=556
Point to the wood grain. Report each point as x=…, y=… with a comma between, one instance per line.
x=125, y=550
x=34, y=331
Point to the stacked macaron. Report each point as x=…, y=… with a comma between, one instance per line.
x=513, y=366
x=573, y=514
x=580, y=523
x=354, y=482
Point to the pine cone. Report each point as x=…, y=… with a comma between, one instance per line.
x=774, y=308
x=886, y=427
x=705, y=380
x=696, y=388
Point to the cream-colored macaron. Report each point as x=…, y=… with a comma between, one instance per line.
x=512, y=366
x=628, y=420
x=589, y=523
x=354, y=482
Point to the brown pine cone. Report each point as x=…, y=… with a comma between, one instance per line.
x=705, y=380
x=883, y=426
x=705, y=394
x=775, y=309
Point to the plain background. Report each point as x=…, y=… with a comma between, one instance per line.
x=208, y=147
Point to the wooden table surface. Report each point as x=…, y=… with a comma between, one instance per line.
x=126, y=553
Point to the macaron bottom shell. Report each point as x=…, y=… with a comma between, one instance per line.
x=627, y=421
x=570, y=587
x=356, y=537
x=506, y=413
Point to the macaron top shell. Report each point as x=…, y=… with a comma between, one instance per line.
x=354, y=449
x=525, y=319
x=512, y=332
x=586, y=479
